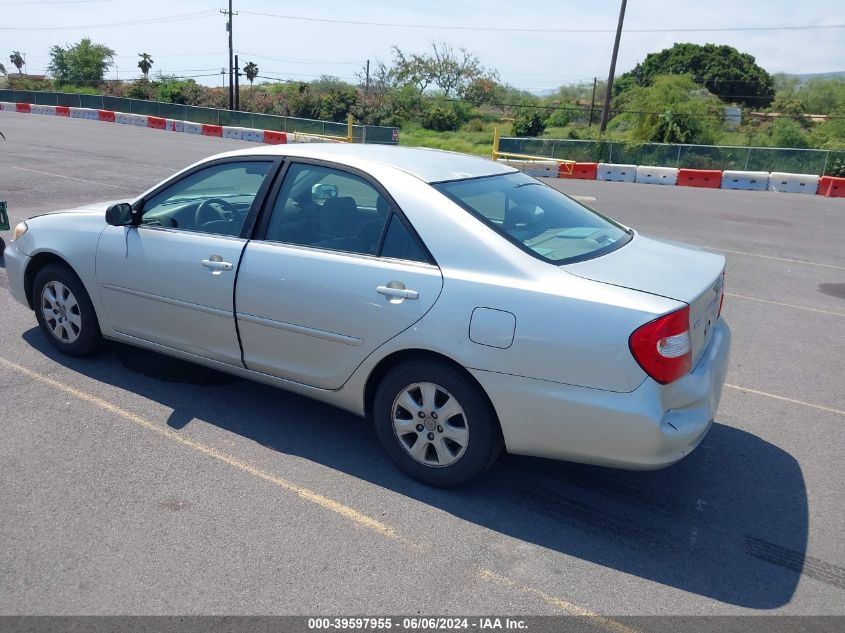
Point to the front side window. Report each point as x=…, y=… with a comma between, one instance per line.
x=536, y=217
x=214, y=200
x=328, y=208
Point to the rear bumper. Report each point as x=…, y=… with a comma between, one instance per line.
x=651, y=427
x=16, y=263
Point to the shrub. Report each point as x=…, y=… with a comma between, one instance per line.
x=440, y=118
x=528, y=122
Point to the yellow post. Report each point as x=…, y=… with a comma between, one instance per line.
x=349, y=128
x=496, y=142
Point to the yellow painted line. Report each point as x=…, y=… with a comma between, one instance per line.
x=787, y=305
x=90, y=182
x=785, y=399
x=304, y=493
x=345, y=511
x=562, y=605
x=780, y=259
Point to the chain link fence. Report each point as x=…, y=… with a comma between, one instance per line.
x=213, y=116
x=797, y=161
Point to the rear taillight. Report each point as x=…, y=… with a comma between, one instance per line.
x=662, y=347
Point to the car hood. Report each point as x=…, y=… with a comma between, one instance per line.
x=85, y=208
x=669, y=269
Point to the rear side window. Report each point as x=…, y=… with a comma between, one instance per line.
x=537, y=218
x=400, y=244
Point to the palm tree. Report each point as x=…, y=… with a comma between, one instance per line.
x=145, y=64
x=17, y=59
x=251, y=72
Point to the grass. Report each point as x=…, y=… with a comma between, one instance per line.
x=464, y=140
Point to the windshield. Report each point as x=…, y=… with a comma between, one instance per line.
x=536, y=217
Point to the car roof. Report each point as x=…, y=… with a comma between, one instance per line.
x=429, y=165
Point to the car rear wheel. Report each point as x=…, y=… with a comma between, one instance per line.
x=436, y=424
x=65, y=312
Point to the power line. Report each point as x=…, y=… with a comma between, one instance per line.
x=297, y=61
x=158, y=20
x=451, y=27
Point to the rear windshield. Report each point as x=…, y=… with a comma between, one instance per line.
x=537, y=218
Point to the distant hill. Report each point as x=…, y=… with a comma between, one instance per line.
x=838, y=74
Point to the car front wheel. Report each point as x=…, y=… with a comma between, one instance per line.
x=65, y=312
x=436, y=424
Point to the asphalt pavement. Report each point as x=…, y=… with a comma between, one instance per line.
x=137, y=484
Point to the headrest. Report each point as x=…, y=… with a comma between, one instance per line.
x=339, y=216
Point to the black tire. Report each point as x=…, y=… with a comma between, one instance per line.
x=88, y=337
x=484, y=434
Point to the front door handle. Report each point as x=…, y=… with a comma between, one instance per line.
x=216, y=263
x=397, y=290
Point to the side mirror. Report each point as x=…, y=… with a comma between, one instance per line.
x=323, y=191
x=119, y=214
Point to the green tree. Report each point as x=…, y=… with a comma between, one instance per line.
x=17, y=59
x=251, y=72
x=145, y=63
x=732, y=76
x=81, y=63
x=673, y=109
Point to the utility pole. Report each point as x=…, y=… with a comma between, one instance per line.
x=605, y=111
x=231, y=61
x=237, y=84
x=593, y=102
x=367, y=91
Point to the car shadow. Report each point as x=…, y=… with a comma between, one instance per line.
x=729, y=522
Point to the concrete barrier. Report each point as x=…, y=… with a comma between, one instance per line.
x=212, y=130
x=177, y=126
x=275, y=138
x=123, y=118
x=746, y=180
x=255, y=136
x=649, y=175
x=43, y=109
x=234, y=132
x=139, y=120
x=831, y=186
x=709, y=178
x=23, y=108
x=580, y=171
x=616, y=173
x=7, y=105
x=542, y=168
x=106, y=115
x=62, y=111
x=192, y=128
x=156, y=122
x=793, y=183
x=84, y=113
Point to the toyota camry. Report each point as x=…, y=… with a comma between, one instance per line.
x=462, y=306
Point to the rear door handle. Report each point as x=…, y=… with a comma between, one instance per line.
x=215, y=264
x=397, y=292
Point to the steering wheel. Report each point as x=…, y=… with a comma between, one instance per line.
x=214, y=209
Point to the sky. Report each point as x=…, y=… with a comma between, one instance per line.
x=188, y=37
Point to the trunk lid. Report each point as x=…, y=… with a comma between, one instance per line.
x=669, y=269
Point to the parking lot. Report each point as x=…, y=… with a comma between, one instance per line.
x=136, y=484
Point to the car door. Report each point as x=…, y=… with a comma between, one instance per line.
x=170, y=279
x=335, y=271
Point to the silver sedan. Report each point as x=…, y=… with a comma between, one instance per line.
x=464, y=307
